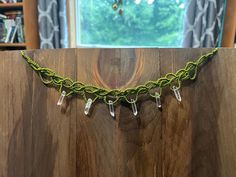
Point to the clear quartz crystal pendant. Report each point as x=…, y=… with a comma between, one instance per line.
x=88, y=106
x=158, y=100
x=177, y=93
x=61, y=99
x=111, y=108
x=134, y=107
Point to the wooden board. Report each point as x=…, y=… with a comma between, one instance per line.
x=195, y=138
x=229, y=31
x=18, y=5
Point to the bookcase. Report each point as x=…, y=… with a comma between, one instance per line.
x=30, y=21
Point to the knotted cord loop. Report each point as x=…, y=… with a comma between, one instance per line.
x=50, y=78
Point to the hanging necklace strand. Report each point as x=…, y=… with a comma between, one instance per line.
x=68, y=87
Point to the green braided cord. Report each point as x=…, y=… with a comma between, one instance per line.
x=50, y=78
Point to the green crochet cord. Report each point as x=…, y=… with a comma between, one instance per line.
x=50, y=78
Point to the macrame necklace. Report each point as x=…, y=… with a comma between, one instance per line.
x=67, y=87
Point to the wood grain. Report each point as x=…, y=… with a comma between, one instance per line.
x=194, y=138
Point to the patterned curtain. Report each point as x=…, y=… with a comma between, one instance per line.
x=203, y=23
x=53, y=27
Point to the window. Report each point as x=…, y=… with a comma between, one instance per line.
x=143, y=23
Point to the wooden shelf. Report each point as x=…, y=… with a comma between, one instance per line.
x=12, y=44
x=11, y=5
x=30, y=14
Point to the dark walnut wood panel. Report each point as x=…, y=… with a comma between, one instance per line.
x=195, y=138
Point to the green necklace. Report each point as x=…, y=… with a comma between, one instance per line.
x=67, y=87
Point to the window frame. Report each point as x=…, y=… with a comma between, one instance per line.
x=74, y=31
